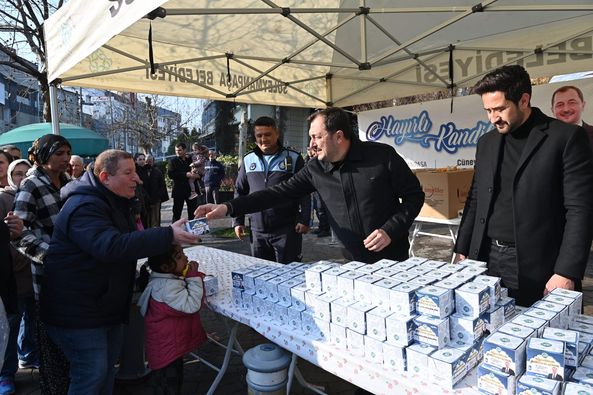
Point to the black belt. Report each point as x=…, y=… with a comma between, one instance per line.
x=500, y=243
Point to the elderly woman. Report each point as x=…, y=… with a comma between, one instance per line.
x=38, y=203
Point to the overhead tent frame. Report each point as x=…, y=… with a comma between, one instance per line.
x=345, y=78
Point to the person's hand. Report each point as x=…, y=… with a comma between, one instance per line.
x=181, y=235
x=558, y=281
x=302, y=229
x=459, y=258
x=211, y=211
x=240, y=232
x=193, y=266
x=15, y=225
x=377, y=240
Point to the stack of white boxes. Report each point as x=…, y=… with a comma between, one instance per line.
x=540, y=349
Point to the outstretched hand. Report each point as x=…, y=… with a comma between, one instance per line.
x=181, y=235
x=211, y=211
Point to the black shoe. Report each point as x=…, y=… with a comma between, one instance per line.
x=323, y=233
x=316, y=231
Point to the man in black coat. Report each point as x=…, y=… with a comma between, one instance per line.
x=179, y=171
x=530, y=207
x=372, y=196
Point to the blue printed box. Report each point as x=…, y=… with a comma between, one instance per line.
x=402, y=299
x=237, y=277
x=505, y=352
x=493, y=381
x=432, y=331
x=545, y=358
x=532, y=385
x=471, y=299
x=571, y=340
x=434, y=301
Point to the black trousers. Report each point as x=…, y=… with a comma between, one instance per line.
x=283, y=245
x=178, y=207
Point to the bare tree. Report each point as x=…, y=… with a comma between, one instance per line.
x=21, y=22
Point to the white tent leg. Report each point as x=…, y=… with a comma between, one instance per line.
x=53, y=105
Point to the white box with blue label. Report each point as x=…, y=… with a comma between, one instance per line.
x=493, y=381
x=373, y=350
x=237, y=276
x=313, y=275
x=357, y=316
x=399, y=330
x=261, y=287
x=380, y=292
x=448, y=366
x=346, y=283
x=577, y=389
x=545, y=358
x=432, y=331
x=363, y=288
x=505, y=352
x=466, y=329
x=338, y=335
x=531, y=322
x=417, y=356
x=294, y=318
x=376, y=327
x=272, y=287
x=339, y=311
x=402, y=299
x=472, y=299
x=534, y=385
x=355, y=342
x=323, y=306
x=570, y=339
x=329, y=280
x=434, y=301
x=576, y=305
x=284, y=295
x=394, y=357
x=521, y=331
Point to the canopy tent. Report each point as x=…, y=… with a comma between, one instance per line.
x=84, y=141
x=311, y=53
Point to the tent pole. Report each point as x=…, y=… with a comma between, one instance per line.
x=53, y=105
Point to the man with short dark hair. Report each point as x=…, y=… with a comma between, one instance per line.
x=530, y=207
x=276, y=233
x=179, y=171
x=568, y=105
x=371, y=194
x=90, y=269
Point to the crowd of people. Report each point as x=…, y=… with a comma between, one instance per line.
x=71, y=235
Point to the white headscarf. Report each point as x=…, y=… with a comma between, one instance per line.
x=11, y=167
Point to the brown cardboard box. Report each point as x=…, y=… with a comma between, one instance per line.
x=445, y=192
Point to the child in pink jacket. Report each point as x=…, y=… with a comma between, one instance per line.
x=170, y=305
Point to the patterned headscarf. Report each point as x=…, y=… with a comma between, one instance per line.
x=45, y=146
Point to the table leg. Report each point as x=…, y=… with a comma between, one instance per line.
x=417, y=228
x=453, y=233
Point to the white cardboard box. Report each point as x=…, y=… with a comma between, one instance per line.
x=505, y=352
x=432, y=331
x=338, y=335
x=329, y=280
x=363, y=288
x=493, y=381
x=357, y=316
x=355, y=342
x=399, y=330
x=339, y=311
x=448, y=366
x=376, y=323
x=402, y=299
x=417, y=356
x=472, y=299
x=545, y=358
x=434, y=301
x=394, y=357
x=346, y=283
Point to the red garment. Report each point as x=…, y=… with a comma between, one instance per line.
x=170, y=333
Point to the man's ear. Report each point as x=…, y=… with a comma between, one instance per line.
x=104, y=177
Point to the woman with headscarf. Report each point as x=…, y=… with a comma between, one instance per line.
x=38, y=203
x=26, y=350
x=5, y=159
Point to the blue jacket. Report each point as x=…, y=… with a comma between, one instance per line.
x=214, y=174
x=91, y=262
x=256, y=174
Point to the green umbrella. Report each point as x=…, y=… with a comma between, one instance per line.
x=84, y=141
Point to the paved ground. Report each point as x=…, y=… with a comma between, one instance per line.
x=198, y=376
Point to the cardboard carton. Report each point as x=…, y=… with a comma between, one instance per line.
x=445, y=191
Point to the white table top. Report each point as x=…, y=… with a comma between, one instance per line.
x=340, y=362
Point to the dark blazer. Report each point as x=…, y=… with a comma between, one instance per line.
x=552, y=203
x=589, y=129
x=177, y=170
